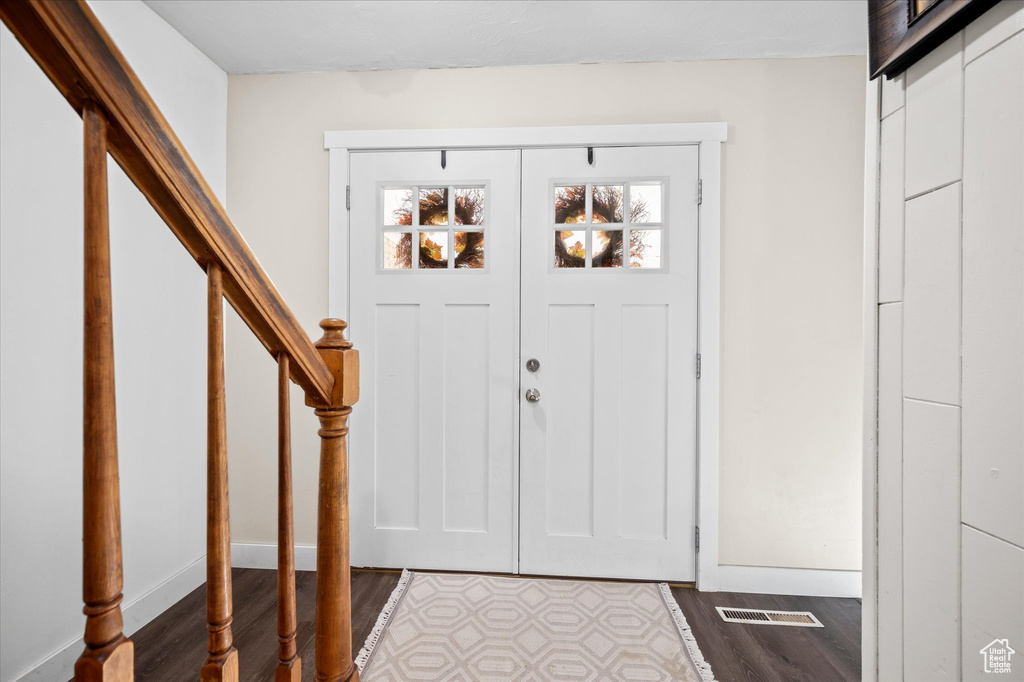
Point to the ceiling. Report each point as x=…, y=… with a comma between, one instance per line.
x=275, y=36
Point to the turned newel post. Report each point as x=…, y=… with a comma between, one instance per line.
x=333, y=586
x=108, y=655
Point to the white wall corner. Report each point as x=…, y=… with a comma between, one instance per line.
x=245, y=555
x=139, y=613
x=804, y=582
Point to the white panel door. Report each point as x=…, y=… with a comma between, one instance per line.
x=434, y=311
x=609, y=311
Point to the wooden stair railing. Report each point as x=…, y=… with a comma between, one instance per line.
x=68, y=42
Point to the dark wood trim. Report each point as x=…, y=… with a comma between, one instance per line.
x=70, y=45
x=895, y=42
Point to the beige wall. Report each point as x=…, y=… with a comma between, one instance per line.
x=791, y=264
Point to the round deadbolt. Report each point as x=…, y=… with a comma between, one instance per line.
x=533, y=364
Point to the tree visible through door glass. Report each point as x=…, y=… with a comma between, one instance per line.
x=606, y=203
x=645, y=203
x=397, y=250
x=429, y=222
x=634, y=208
x=645, y=249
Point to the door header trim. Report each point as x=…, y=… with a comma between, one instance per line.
x=527, y=138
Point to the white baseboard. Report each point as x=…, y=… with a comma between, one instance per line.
x=142, y=610
x=244, y=555
x=808, y=582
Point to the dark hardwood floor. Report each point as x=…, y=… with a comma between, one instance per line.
x=173, y=647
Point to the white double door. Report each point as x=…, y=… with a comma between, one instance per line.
x=464, y=454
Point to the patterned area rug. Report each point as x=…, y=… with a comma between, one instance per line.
x=472, y=628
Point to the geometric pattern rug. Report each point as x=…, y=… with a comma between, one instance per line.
x=475, y=628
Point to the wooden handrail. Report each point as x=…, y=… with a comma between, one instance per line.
x=69, y=43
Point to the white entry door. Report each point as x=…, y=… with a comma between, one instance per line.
x=434, y=311
x=459, y=276
x=609, y=312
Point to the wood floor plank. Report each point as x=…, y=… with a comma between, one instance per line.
x=173, y=647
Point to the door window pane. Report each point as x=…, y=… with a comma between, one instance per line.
x=570, y=249
x=469, y=250
x=571, y=204
x=397, y=250
x=645, y=249
x=434, y=206
x=607, y=249
x=469, y=205
x=433, y=250
x=398, y=206
x=645, y=203
x=606, y=203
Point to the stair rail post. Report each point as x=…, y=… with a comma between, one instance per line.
x=108, y=655
x=222, y=663
x=289, y=665
x=333, y=580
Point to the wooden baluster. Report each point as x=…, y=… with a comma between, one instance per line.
x=289, y=665
x=222, y=663
x=108, y=655
x=333, y=583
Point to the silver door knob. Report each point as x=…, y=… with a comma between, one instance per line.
x=532, y=395
x=533, y=364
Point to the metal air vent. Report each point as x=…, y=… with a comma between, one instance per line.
x=804, y=619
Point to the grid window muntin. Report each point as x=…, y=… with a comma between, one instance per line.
x=450, y=228
x=628, y=226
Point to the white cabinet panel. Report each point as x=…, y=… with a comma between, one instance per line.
x=993, y=603
x=890, y=210
x=934, y=118
x=992, y=28
x=890, y=492
x=931, y=541
x=993, y=293
x=931, y=310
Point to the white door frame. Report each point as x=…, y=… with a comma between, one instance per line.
x=709, y=137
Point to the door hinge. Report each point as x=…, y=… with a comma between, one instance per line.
x=698, y=365
x=700, y=192
x=348, y=197
x=696, y=536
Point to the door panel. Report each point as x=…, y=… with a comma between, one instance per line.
x=434, y=311
x=608, y=452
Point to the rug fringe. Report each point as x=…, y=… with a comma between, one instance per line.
x=703, y=667
x=382, y=620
